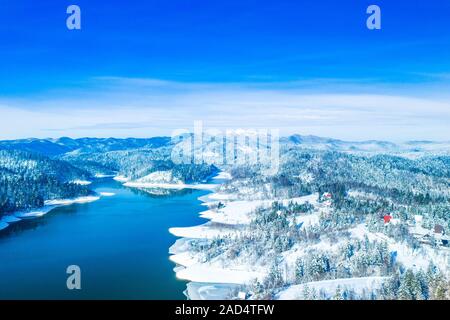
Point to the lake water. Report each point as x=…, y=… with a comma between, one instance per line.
x=120, y=243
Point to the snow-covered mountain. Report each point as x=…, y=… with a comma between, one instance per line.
x=369, y=146
x=28, y=179
x=60, y=146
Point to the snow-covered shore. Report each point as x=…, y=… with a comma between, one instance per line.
x=216, y=278
x=120, y=178
x=211, y=279
x=165, y=180
x=81, y=182
x=210, y=291
x=103, y=175
x=175, y=186
x=107, y=194
x=66, y=202
x=49, y=205
x=237, y=212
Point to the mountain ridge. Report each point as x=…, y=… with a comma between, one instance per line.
x=54, y=147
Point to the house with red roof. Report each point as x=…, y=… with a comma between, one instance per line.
x=387, y=218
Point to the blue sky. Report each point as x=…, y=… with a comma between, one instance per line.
x=153, y=66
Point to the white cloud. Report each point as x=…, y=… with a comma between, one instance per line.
x=124, y=107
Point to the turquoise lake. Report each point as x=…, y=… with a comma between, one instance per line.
x=121, y=244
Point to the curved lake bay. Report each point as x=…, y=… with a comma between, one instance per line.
x=120, y=242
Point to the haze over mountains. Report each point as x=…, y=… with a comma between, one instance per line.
x=56, y=147
x=320, y=143
x=64, y=145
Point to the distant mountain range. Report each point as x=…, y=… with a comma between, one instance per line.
x=370, y=146
x=56, y=147
x=65, y=145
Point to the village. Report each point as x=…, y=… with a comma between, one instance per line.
x=434, y=237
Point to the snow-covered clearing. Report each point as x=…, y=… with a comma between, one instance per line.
x=300, y=250
x=238, y=212
x=329, y=287
x=81, y=182
x=223, y=175
x=416, y=259
x=307, y=220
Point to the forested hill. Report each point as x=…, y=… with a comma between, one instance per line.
x=138, y=163
x=403, y=186
x=27, y=179
x=34, y=170
x=63, y=146
x=58, y=147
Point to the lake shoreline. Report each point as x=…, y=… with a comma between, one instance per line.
x=49, y=205
x=125, y=234
x=203, y=284
x=211, y=280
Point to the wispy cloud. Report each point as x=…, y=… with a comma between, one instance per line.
x=124, y=107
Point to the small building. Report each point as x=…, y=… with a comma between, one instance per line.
x=438, y=229
x=387, y=218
